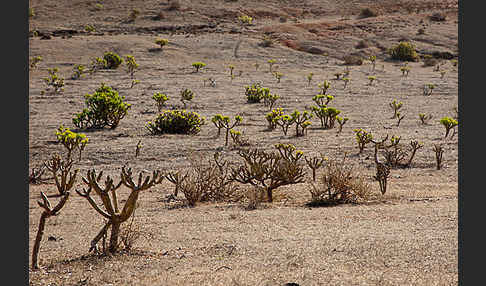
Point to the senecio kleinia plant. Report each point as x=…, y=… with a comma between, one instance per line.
x=301, y=120
x=221, y=121
x=160, y=99
x=324, y=86
x=395, y=106
x=245, y=19
x=176, y=122
x=271, y=62
x=448, y=124
x=319, y=99
x=255, y=93
x=273, y=116
x=113, y=60
x=54, y=80
x=198, y=65
x=404, y=51
x=363, y=137
x=162, y=42
x=131, y=64
x=71, y=140
x=34, y=61
x=186, y=95
x=105, y=107
x=371, y=78
x=309, y=78
x=78, y=72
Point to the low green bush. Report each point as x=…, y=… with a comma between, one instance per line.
x=113, y=60
x=176, y=122
x=105, y=107
x=404, y=51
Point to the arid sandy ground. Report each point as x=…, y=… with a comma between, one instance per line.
x=406, y=237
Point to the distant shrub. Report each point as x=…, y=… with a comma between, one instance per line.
x=160, y=99
x=132, y=65
x=113, y=60
x=71, y=140
x=105, y=107
x=404, y=51
x=176, y=122
x=186, y=95
x=78, y=72
x=162, y=42
x=353, y=60
x=198, y=65
x=448, y=124
x=367, y=12
x=255, y=93
x=437, y=17
x=245, y=20
x=54, y=81
x=339, y=184
x=272, y=117
x=34, y=61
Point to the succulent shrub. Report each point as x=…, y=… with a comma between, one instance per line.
x=48, y=212
x=270, y=99
x=405, y=70
x=425, y=118
x=271, y=62
x=54, y=81
x=255, y=93
x=272, y=117
x=302, y=121
x=113, y=60
x=162, y=42
x=309, y=78
x=428, y=88
x=198, y=65
x=34, y=61
x=341, y=121
x=404, y=51
x=160, y=99
x=270, y=170
x=78, y=72
x=371, y=78
x=186, y=95
x=284, y=121
x=448, y=123
x=134, y=82
x=176, y=122
x=221, y=121
x=105, y=107
x=363, y=137
x=439, y=152
x=97, y=64
x=133, y=14
x=131, y=64
x=71, y=140
x=278, y=76
x=324, y=86
x=372, y=59
x=319, y=99
x=315, y=163
x=245, y=19
x=89, y=28
x=108, y=196
x=346, y=81
x=31, y=12
x=395, y=106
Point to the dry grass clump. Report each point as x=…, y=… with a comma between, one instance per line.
x=339, y=184
x=206, y=180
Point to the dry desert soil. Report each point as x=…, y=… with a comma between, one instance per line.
x=408, y=236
